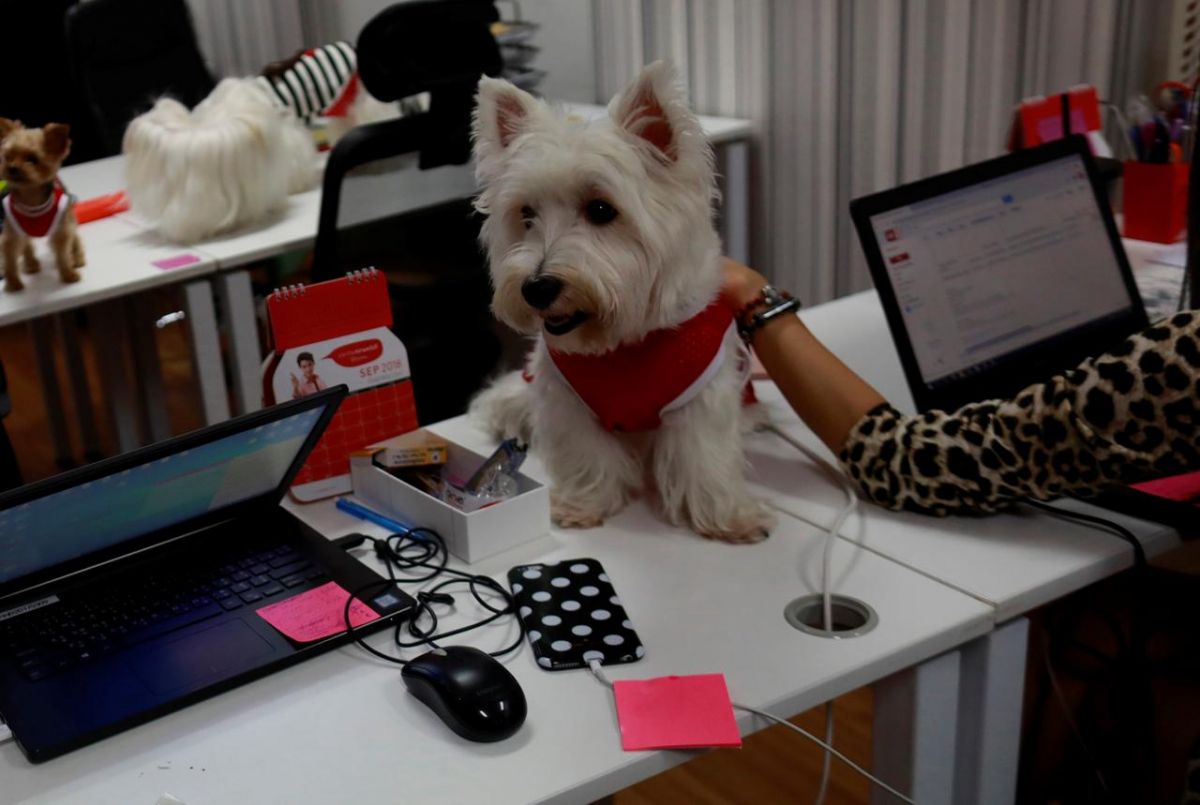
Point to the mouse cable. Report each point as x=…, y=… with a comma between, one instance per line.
x=598, y=672
x=831, y=534
x=424, y=548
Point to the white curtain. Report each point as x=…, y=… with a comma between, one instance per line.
x=240, y=37
x=858, y=95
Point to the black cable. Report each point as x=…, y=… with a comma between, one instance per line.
x=1139, y=553
x=424, y=548
x=1133, y=714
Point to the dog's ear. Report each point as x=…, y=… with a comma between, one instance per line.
x=654, y=109
x=502, y=113
x=8, y=126
x=54, y=137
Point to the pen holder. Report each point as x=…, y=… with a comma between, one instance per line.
x=1155, y=201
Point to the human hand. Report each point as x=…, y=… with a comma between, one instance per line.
x=741, y=284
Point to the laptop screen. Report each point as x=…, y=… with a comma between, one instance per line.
x=987, y=270
x=111, y=509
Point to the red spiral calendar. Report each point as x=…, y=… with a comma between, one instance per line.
x=331, y=333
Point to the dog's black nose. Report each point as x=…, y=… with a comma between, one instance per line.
x=540, y=292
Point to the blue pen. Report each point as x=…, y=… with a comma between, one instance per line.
x=363, y=513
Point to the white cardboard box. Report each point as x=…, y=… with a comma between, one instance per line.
x=470, y=537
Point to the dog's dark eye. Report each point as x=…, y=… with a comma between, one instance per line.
x=527, y=216
x=600, y=212
x=32, y=160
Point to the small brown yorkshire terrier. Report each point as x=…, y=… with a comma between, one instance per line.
x=37, y=205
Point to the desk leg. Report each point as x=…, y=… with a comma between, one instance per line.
x=735, y=204
x=989, y=726
x=80, y=389
x=233, y=289
x=148, y=368
x=206, y=350
x=912, y=744
x=42, y=332
x=110, y=333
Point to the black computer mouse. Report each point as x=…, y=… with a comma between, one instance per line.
x=471, y=691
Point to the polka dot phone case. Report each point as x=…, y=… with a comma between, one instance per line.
x=572, y=615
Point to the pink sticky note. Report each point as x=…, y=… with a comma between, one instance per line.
x=178, y=261
x=315, y=614
x=675, y=712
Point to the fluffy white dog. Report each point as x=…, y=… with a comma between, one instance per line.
x=601, y=243
x=230, y=161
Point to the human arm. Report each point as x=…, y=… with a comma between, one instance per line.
x=823, y=391
x=1132, y=413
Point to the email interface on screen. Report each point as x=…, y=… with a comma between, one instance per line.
x=987, y=270
x=114, y=508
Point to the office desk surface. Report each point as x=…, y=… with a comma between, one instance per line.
x=120, y=257
x=1014, y=562
x=342, y=728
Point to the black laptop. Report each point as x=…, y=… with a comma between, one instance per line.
x=999, y=274
x=129, y=588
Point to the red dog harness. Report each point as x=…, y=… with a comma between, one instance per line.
x=631, y=387
x=40, y=222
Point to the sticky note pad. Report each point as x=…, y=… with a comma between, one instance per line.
x=316, y=614
x=178, y=261
x=675, y=712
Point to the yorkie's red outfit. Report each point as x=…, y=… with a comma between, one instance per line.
x=42, y=221
x=631, y=387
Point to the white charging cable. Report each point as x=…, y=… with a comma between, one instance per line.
x=831, y=535
x=598, y=672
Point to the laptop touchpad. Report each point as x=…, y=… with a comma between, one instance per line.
x=194, y=660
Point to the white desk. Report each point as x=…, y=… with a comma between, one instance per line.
x=1014, y=562
x=341, y=728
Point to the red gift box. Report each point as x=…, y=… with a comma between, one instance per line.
x=1156, y=201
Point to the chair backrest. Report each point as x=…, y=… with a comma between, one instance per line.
x=125, y=54
x=435, y=46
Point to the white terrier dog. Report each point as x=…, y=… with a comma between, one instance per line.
x=601, y=243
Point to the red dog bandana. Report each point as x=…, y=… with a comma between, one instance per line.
x=631, y=387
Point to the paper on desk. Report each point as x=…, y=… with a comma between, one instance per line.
x=1173, y=255
x=675, y=712
x=315, y=614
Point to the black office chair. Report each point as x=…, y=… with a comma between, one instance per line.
x=125, y=54
x=437, y=46
x=437, y=278
x=10, y=471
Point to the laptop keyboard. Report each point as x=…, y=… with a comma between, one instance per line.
x=134, y=610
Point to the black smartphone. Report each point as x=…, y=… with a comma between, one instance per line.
x=572, y=615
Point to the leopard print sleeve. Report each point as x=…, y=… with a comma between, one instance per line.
x=1131, y=413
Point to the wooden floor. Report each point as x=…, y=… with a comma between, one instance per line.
x=775, y=765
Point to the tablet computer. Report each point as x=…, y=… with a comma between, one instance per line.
x=998, y=275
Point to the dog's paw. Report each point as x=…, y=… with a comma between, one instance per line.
x=69, y=275
x=751, y=522
x=13, y=284
x=567, y=513
x=31, y=265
